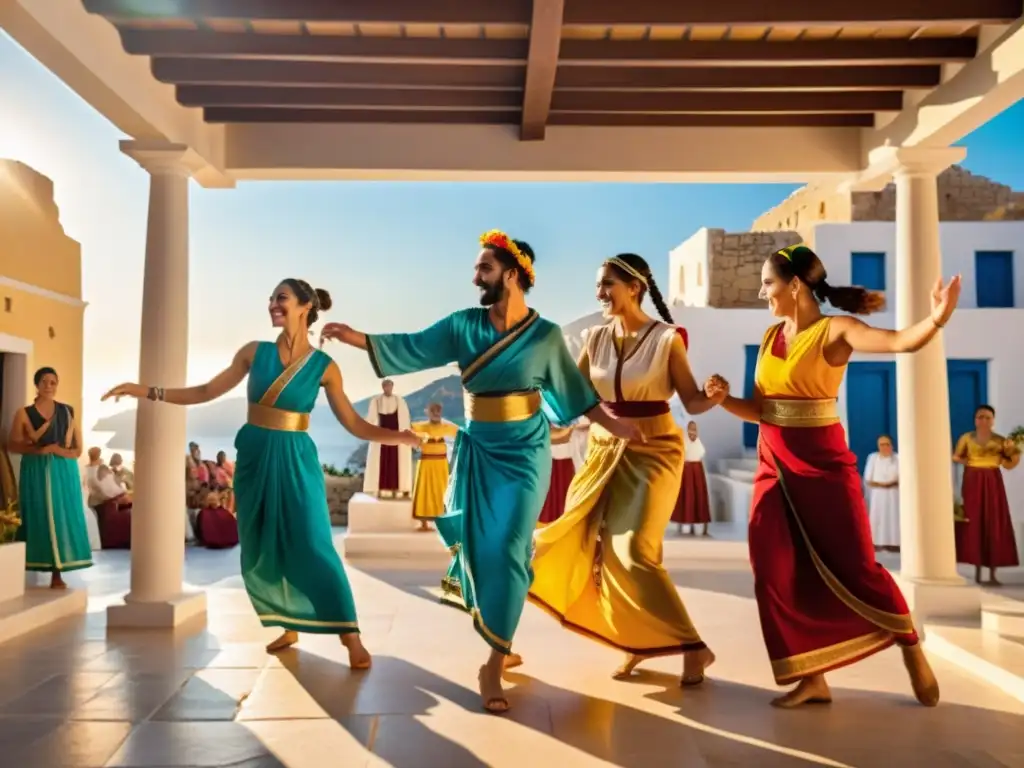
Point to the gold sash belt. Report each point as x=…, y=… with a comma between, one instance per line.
x=274, y=418
x=799, y=413
x=501, y=408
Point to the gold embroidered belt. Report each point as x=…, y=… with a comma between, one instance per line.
x=799, y=413
x=519, y=406
x=274, y=418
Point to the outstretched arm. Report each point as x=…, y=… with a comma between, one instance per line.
x=858, y=336
x=748, y=409
x=220, y=384
x=393, y=354
x=695, y=401
x=352, y=421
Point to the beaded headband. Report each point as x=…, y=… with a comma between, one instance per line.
x=625, y=267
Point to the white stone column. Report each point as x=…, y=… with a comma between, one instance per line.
x=928, y=560
x=157, y=597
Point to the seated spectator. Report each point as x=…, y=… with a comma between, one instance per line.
x=113, y=510
x=216, y=527
x=122, y=474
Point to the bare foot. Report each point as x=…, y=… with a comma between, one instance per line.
x=694, y=664
x=811, y=690
x=922, y=679
x=358, y=656
x=513, y=660
x=287, y=640
x=57, y=581
x=627, y=667
x=491, y=692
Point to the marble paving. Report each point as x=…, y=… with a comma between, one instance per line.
x=78, y=696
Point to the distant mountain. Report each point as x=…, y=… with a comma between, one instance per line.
x=223, y=418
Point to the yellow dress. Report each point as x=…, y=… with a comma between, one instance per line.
x=432, y=470
x=597, y=569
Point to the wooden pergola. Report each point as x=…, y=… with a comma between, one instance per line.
x=551, y=62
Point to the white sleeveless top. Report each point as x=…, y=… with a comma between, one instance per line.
x=694, y=448
x=643, y=375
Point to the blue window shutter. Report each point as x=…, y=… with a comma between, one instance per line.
x=868, y=270
x=993, y=276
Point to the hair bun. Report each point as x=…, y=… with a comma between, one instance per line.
x=324, y=299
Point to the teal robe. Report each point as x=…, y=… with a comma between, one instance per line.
x=291, y=570
x=52, y=510
x=500, y=472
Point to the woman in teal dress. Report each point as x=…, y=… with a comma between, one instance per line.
x=292, y=572
x=514, y=366
x=52, y=511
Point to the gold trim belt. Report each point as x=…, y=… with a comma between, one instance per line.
x=274, y=418
x=501, y=408
x=799, y=413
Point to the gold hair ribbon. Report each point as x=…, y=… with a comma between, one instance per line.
x=792, y=249
x=625, y=267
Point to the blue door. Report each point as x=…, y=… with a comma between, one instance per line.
x=968, y=388
x=993, y=276
x=870, y=407
x=868, y=270
x=750, y=430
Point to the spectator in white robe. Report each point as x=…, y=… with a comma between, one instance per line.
x=882, y=480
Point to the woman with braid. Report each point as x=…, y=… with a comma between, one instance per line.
x=597, y=569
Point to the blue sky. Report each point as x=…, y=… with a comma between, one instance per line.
x=395, y=256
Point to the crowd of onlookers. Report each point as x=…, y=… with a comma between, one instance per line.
x=209, y=500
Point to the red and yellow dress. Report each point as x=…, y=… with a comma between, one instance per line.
x=986, y=537
x=823, y=600
x=432, y=471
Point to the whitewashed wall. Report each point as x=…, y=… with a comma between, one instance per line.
x=688, y=270
x=960, y=239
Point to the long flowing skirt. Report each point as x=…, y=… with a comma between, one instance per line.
x=53, y=515
x=597, y=569
x=562, y=473
x=428, y=490
x=292, y=572
x=388, y=455
x=823, y=600
x=693, y=507
x=986, y=537
x=499, y=479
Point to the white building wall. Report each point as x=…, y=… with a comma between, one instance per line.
x=960, y=239
x=688, y=281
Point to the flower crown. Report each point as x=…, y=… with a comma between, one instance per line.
x=495, y=238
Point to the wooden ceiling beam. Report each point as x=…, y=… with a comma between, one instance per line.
x=511, y=117
x=541, y=67
x=693, y=53
x=701, y=53
x=286, y=115
x=180, y=71
x=727, y=101
x=725, y=78
x=329, y=73
x=696, y=102
x=791, y=12
x=218, y=45
x=312, y=98
x=353, y=11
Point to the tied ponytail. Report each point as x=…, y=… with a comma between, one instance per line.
x=658, y=300
x=799, y=261
x=849, y=298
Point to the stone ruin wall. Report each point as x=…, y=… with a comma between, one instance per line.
x=734, y=265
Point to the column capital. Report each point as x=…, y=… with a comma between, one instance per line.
x=924, y=160
x=162, y=158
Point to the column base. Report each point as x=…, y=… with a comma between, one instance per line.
x=936, y=600
x=165, y=614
